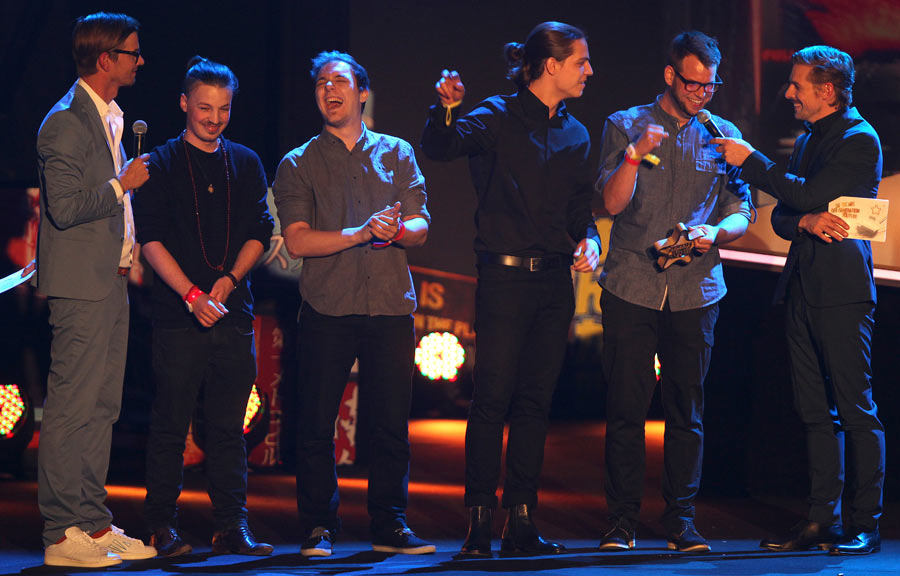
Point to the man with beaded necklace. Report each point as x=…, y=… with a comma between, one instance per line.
x=203, y=225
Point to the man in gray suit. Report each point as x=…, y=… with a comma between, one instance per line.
x=84, y=254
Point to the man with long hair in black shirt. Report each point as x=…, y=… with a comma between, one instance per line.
x=529, y=162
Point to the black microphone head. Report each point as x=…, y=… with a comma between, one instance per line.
x=705, y=118
x=139, y=127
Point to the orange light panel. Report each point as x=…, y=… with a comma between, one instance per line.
x=253, y=406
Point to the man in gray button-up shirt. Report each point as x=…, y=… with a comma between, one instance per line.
x=350, y=202
x=667, y=311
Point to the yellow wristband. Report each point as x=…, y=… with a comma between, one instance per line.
x=448, y=119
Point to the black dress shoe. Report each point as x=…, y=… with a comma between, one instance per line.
x=804, y=536
x=168, y=543
x=619, y=537
x=520, y=535
x=239, y=540
x=478, y=540
x=862, y=543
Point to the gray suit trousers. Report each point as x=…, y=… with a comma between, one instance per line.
x=84, y=394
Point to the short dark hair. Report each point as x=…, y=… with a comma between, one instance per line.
x=829, y=65
x=705, y=48
x=97, y=33
x=203, y=71
x=525, y=62
x=323, y=58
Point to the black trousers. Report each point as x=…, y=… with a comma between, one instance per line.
x=831, y=371
x=683, y=340
x=385, y=346
x=224, y=357
x=522, y=323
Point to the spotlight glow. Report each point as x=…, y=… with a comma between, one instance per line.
x=440, y=355
x=12, y=409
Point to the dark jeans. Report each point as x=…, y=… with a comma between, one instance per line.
x=223, y=360
x=522, y=322
x=683, y=340
x=385, y=346
x=831, y=371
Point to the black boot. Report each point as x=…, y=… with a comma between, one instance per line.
x=478, y=540
x=520, y=535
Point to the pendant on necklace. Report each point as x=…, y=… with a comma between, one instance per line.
x=210, y=189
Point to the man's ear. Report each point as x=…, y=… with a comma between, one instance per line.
x=363, y=95
x=183, y=102
x=552, y=65
x=669, y=75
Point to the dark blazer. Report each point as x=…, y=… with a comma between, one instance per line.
x=82, y=224
x=846, y=161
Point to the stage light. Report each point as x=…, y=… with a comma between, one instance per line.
x=13, y=410
x=254, y=405
x=657, y=367
x=440, y=355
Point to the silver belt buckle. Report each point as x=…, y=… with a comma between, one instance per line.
x=534, y=264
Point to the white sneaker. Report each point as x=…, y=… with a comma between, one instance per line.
x=78, y=549
x=128, y=548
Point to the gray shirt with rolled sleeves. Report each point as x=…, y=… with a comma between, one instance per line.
x=332, y=188
x=692, y=184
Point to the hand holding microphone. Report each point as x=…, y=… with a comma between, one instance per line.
x=734, y=150
x=134, y=173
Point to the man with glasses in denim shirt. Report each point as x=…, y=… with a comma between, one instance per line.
x=670, y=312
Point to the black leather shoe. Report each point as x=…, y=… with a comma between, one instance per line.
x=687, y=539
x=804, y=536
x=862, y=543
x=520, y=535
x=620, y=537
x=239, y=540
x=168, y=543
x=478, y=540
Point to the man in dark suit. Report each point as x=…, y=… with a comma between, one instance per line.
x=830, y=295
x=84, y=254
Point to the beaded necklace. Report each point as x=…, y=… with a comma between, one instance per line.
x=220, y=266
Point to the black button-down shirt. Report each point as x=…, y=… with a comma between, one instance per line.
x=530, y=171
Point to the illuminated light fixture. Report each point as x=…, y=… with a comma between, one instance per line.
x=254, y=405
x=13, y=410
x=657, y=367
x=439, y=355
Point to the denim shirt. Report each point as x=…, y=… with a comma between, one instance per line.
x=692, y=184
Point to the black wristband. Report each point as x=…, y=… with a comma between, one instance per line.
x=232, y=278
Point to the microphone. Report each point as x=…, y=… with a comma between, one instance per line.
x=705, y=118
x=139, y=128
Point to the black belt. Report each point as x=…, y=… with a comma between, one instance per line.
x=535, y=264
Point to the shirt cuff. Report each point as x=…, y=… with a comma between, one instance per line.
x=117, y=188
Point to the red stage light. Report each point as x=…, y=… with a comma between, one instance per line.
x=13, y=410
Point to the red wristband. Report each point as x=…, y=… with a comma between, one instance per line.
x=193, y=294
x=401, y=230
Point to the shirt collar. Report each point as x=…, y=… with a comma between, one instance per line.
x=822, y=125
x=104, y=109
x=666, y=118
x=534, y=108
x=331, y=139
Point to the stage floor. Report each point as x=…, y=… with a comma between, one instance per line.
x=572, y=509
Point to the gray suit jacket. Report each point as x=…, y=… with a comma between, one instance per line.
x=82, y=224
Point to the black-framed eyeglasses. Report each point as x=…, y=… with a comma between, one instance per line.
x=692, y=86
x=136, y=54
